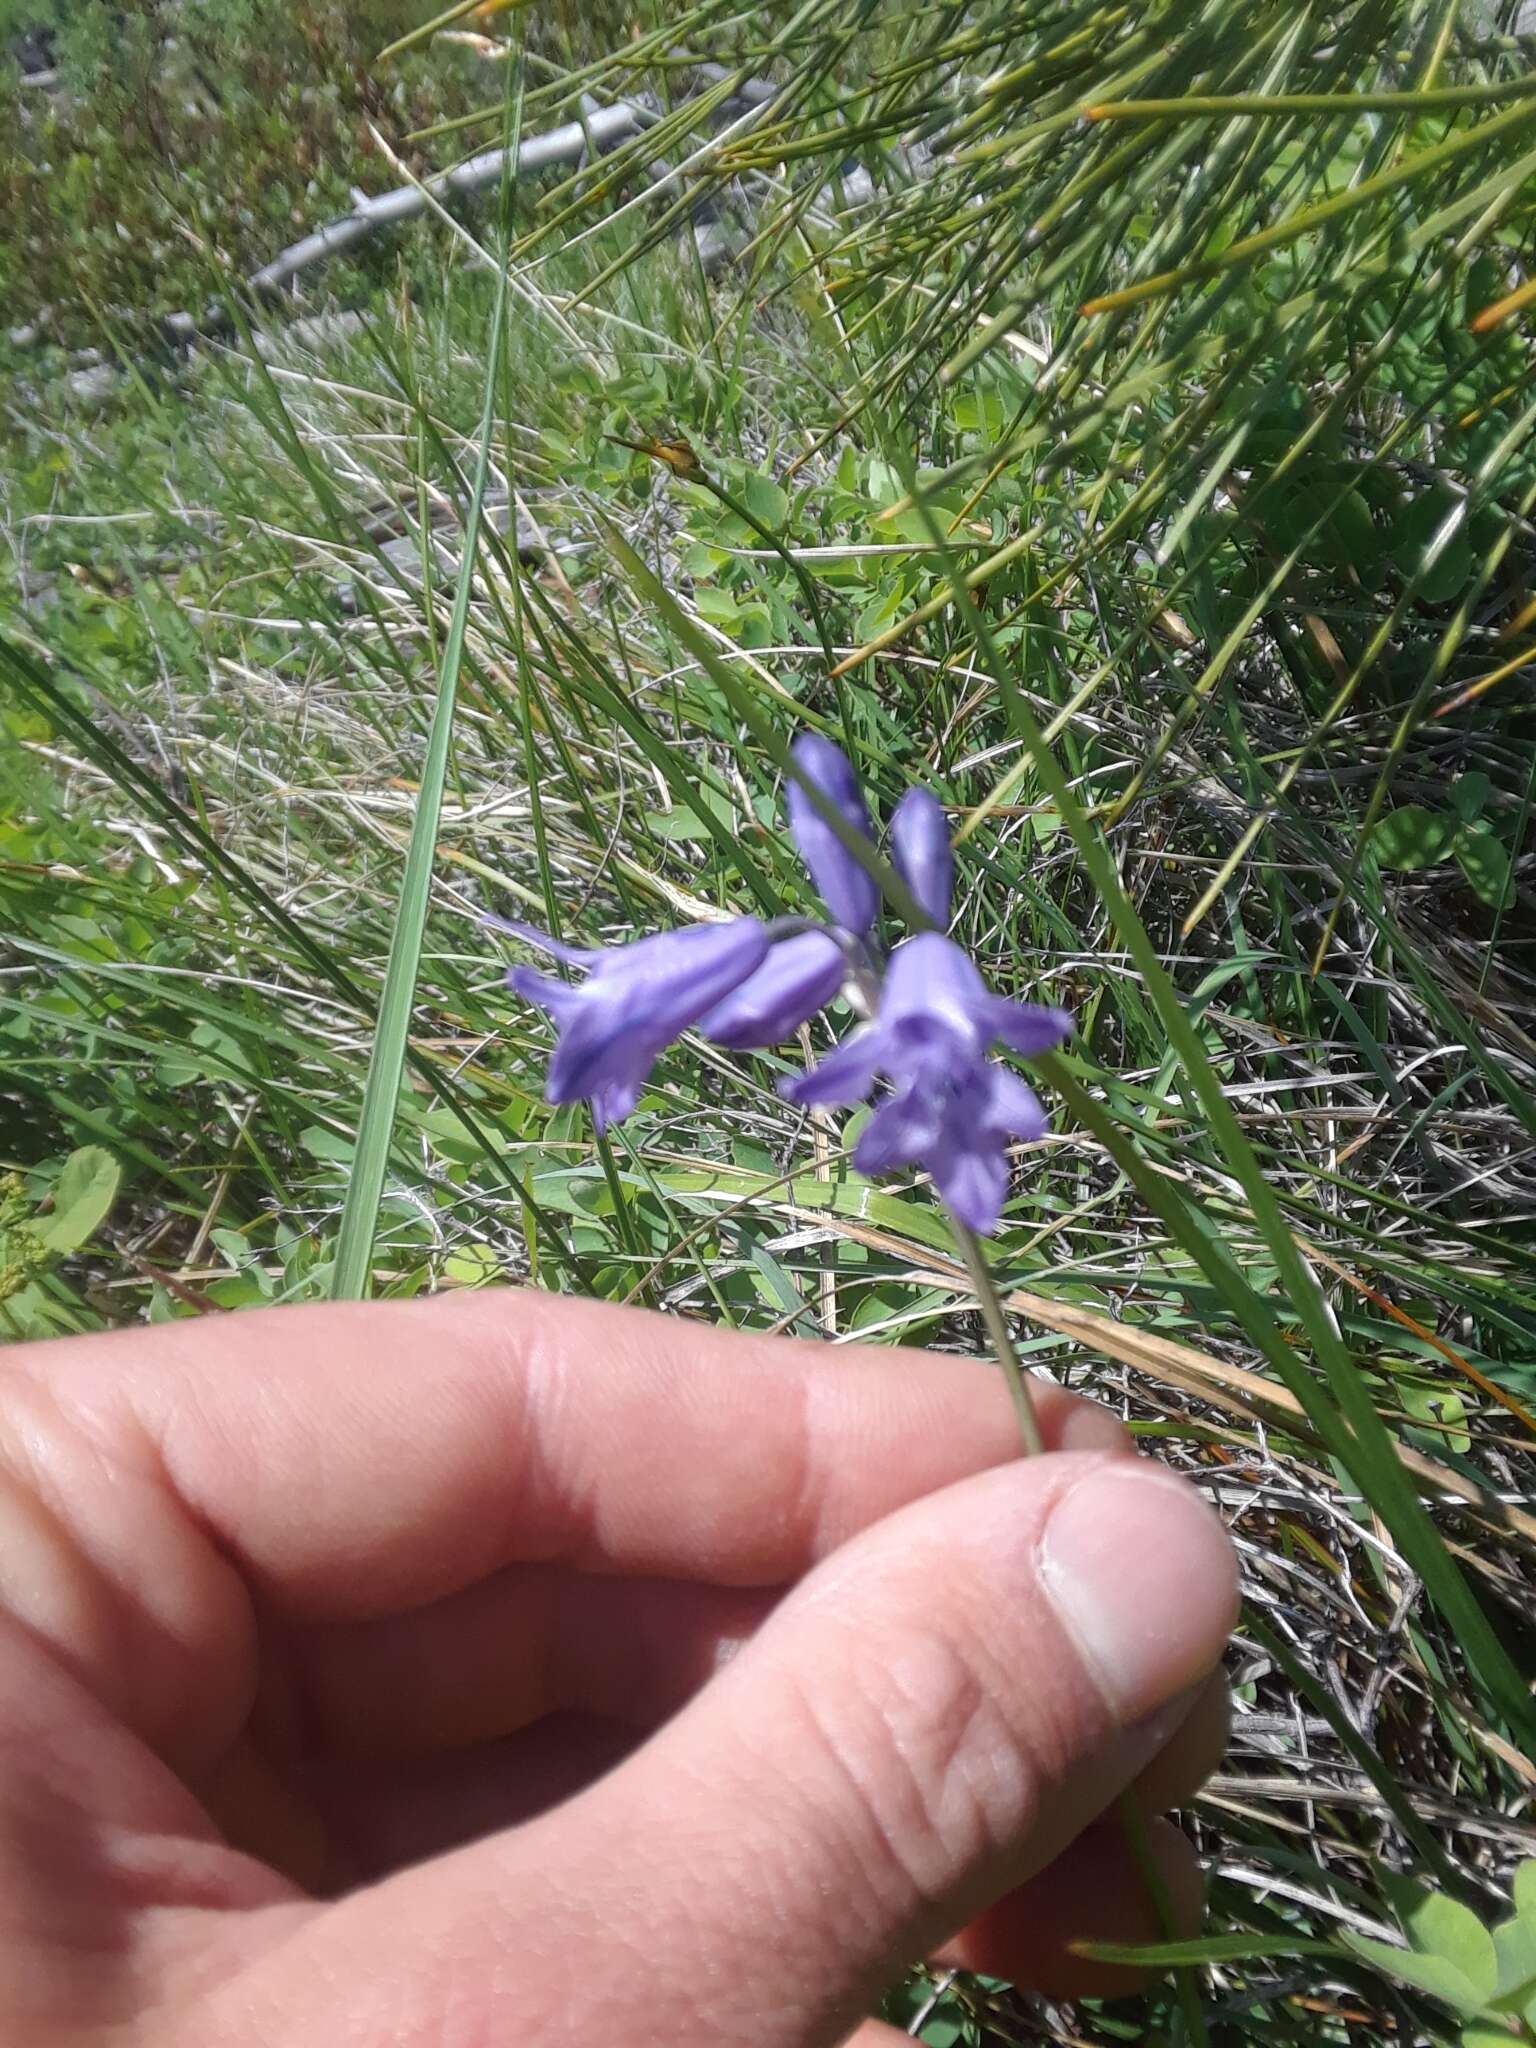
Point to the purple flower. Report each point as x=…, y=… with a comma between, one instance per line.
x=635, y=1000
x=798, y=977
x=920, y=850
x=949, y=1109
x=847, y=889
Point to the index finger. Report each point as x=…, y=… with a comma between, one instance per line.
x=356, y=1460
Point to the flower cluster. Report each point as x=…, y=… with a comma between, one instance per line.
x=944, y=1103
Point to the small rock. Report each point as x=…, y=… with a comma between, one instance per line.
x=315, y=331
x=400, y=568
x=32, y=331
x=93, y=386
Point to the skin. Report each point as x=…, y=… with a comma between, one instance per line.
x=506, y=1668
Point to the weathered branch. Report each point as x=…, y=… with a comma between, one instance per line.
x=600, y=130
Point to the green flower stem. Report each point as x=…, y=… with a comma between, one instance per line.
x=997, y=1327
x=1131, y=1818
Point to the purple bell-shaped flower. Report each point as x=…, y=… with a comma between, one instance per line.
x=949, y=1108
x=799, y=977
x=634, y=1002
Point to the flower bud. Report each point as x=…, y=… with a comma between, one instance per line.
x=798, y=978
x=847, y=889
x=921, y=853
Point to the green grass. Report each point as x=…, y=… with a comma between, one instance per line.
x=1201, y=612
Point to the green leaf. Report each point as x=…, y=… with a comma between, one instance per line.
x=1412, y=837
x=471, y=1265
x=82, y=1195
x=1524, y=1888
x=1325, y=523
x=1486, y=2034
x=1442, y=1927
x=1485, y=863
x=1439, y=1405
x=1428, y=1973
x=1214, y=1948
x=1514, y=1944
x=351, y=1275
x=1438, y=571
x=1470, y=794
x=764, y=499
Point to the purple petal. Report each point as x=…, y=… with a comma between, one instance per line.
x=668, y=982
x=635, y=1002
x=899, y=1133
x=933, y=979
x=920, y=849
x=598, y=1048
x=614, y=1101
x=798, y=977
x=846, y=888
x=1011, y=1107
x=971, y=1172
x=558, y=997
x=1028, y=1027
x=573, y=956
x=846, y=1074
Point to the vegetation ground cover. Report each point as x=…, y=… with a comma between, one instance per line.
x=1156, y=486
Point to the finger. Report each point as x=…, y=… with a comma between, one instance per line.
x=378, y=1819
x=1096, y=1890
x=951, y=1691
x=526, y=1642
x=536, y=1640
x=360, y=1459
x=379, y=1816
x=346, y=1462
x=1181, y=1767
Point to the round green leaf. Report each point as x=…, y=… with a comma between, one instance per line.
x=1470, y=794
x=1443, y=1928
x=764, y=499
x=82, y=1195
x=1412, y=837
x=1514, y=1943
x=1438, y=1405
x=1413, y=536
x=1485, y=863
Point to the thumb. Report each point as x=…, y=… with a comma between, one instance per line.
x=924, y=1722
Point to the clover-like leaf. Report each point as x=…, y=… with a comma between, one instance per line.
x=82, y=1196
x=1469, y=795
x=1485, y=863
x=1412, y=837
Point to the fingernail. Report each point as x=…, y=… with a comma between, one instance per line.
x=1144, y=1580
x=1088, y=1427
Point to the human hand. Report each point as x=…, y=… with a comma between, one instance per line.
x=509, y=1668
